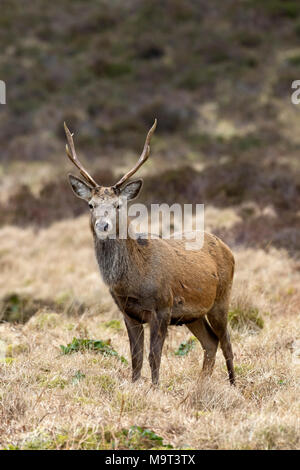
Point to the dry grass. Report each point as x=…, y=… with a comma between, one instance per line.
x=84, y=400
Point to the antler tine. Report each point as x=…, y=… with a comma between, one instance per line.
x=70, y=149
x=144, y=156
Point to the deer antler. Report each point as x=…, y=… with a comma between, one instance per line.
x=70, y=149
x=144, y=156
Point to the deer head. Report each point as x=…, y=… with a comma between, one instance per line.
x=105, y=202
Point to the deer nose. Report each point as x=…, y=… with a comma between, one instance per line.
x=102, y=226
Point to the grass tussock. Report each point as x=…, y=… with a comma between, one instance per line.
x=245, y=317
x=85, y=400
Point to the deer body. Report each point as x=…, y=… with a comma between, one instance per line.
x=150, y=273
x=159, y=281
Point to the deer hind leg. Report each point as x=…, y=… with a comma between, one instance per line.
x=135, y=332
x=209, y=342
x=158, y=331
x=217, y=318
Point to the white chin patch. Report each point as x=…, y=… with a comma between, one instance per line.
x=104, y=235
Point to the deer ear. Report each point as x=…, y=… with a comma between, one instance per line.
x=80, y=188
x=132, y=189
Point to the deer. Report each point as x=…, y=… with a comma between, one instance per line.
x=154, y=280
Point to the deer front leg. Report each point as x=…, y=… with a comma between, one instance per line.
x=158, y=331
x=135, y=332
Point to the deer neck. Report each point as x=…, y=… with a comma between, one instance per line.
x=119, y=260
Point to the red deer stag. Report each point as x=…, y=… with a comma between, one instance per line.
x=158, y=281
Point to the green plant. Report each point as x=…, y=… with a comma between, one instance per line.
x=77, y=377
x=11, y=447
x=103, y=347
x=137, y=438
x=134, y=438
x=186, y=346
